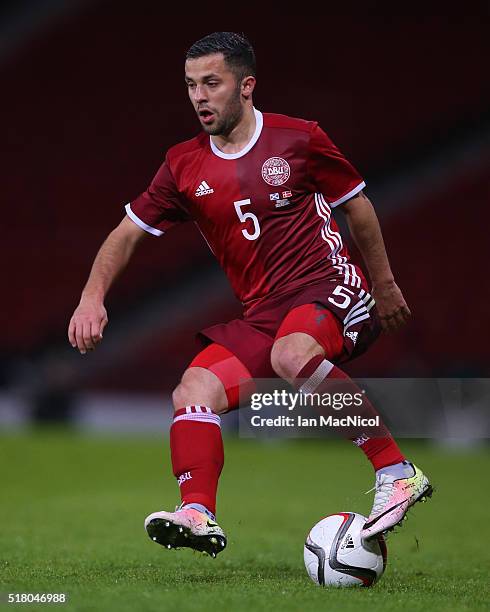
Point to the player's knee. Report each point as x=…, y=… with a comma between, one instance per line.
x=179, y=395
x=200, y=387
x=290, y=354
x=286, y=362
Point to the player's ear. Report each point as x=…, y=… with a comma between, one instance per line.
x=248, y=85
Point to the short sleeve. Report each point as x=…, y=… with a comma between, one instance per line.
x=160, y=206
x=333, y=175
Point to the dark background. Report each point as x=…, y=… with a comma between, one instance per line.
x=93, y=95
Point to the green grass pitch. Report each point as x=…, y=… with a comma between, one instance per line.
x=73, y=506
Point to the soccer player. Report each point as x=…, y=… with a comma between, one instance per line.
x=261, y=188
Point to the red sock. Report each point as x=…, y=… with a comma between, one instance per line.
x=378, y=444
x=196, y=447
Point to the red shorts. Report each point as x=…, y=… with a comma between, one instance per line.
x=251, y=338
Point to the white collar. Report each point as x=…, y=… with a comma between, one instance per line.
x=259, y=122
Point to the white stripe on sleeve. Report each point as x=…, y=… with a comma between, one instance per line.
x=140, y=223
x=348, y=196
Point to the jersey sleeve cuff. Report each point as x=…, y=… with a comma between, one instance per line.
x=140, y=223
x=348, y=196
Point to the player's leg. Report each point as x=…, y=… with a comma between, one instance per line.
x=306, y=359
x=209, y=387
x=308, y=342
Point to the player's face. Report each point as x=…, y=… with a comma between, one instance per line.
x=215, y=93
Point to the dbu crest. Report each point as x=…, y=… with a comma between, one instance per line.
x=276, y=171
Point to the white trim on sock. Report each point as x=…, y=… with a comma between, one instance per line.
x=203, y=417
x=318, y=376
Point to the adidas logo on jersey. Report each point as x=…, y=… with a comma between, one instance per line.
x=204, y=189
x=352, y=336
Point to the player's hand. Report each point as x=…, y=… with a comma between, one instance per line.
x=87, y=325
x=391, y=306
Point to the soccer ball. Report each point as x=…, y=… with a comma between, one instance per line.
x=335, y=555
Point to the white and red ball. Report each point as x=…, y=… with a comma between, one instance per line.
x=335, y=555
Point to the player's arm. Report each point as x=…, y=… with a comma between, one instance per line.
x=366, y=233
x=90, y=317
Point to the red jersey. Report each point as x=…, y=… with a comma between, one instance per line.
x=265, y=212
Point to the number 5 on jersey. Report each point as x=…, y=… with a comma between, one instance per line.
x=245, y=217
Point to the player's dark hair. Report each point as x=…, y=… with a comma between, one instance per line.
x=236, y=49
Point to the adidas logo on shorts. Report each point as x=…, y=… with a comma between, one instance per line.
x=352, y=336
x=204, y=189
